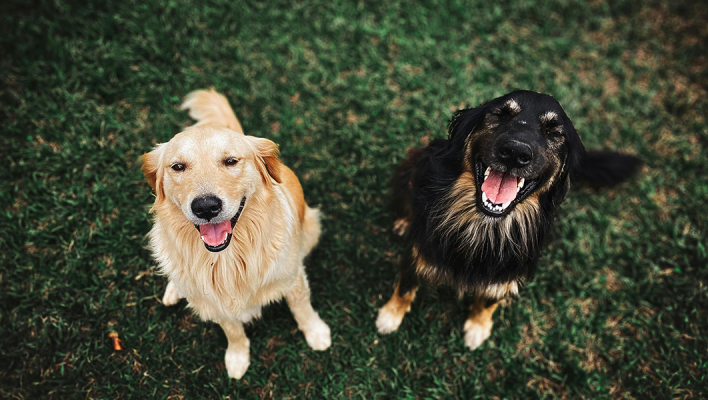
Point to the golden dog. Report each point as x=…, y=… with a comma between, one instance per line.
x=231, y=226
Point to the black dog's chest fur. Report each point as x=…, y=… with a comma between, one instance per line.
x=422, y=187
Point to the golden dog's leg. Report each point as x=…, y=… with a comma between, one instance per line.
x=171, y=296
x=237, y=354
x=478, y=326
x=316, y=331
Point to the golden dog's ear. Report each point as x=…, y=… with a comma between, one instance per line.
x=267, y=160
x=153, y=172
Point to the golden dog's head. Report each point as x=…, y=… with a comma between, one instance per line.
x=209, y=172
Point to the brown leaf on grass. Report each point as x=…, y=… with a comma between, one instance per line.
x=115, y=341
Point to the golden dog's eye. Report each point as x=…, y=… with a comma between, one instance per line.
x=178, y=167
x=230, y=161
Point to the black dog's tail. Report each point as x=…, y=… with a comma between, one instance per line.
x=606, y=168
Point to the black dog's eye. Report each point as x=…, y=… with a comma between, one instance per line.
x=178, y=167
x=507, y=111
x=550, y=124
x=503, y=112
x=230, y=161
x=554, y=130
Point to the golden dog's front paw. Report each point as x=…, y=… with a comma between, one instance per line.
x=318, y=336
x=171, y=296
x=237, y=362
x=476, y=334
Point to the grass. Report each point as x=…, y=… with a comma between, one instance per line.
x=618, y=309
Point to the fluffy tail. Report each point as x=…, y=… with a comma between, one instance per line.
x=606, y=168
x=311, y=228
x=210, y=107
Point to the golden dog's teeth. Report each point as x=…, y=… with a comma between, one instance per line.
x=505, y=205
x=520, y=184
x=486, y=173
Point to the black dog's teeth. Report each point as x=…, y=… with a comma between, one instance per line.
x=523, y=186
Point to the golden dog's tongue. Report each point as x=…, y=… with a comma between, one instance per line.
x=215, y=234
x=500, y=187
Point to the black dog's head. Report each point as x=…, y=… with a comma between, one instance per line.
x=517, y=146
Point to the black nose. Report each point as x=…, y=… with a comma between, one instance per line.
x=515, y=154
x=206, y=207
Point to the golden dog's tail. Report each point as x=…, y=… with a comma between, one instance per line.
x=311, y=228
x=211, y=107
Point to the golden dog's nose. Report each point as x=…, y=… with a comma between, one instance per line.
x=206, y=207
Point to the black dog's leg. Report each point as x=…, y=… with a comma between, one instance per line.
x=401, y=187
x=391, y=315
x=479, y=323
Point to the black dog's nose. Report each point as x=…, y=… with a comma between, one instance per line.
x=206, y=207
x=515, y=154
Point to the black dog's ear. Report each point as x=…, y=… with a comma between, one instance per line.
x=576, y=151
x=463, y=123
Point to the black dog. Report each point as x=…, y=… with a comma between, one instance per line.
x=477, y=206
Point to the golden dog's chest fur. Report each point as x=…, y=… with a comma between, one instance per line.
x=258, y=267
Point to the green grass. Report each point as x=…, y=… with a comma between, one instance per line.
x=618, y=308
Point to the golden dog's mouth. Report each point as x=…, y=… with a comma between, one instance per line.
x=216, y=237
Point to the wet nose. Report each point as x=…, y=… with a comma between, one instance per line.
x=515, y=154
x=206, y=207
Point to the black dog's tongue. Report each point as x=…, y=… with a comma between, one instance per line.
x=500, y=187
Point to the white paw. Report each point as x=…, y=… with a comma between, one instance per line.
x=171, y=296
x=318, y=336
x=389, y=319
x=476, y=334
x=237, y=361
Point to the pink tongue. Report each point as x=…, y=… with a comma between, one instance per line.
x=213, y=234
x=500, y=187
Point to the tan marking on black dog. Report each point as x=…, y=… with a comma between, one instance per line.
x=428, y=271
x=513, y=106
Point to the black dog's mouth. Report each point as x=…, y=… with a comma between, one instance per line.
x=500, y=191
x=216, y=237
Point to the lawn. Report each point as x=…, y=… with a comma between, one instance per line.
x=619, y=308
